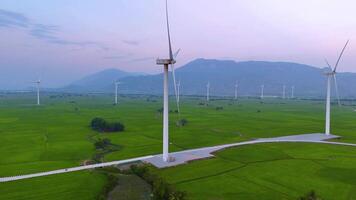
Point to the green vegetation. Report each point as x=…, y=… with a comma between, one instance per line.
x=310, y=196
x=101, y=125
x=130, y=187
x=56, y=135
x=78, y=185
x=269, y=172
x=161, y=190
x=182, y=122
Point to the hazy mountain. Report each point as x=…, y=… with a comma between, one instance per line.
x=308, y=80
x=99, y=81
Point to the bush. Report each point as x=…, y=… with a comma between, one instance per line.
x=102, y=143
x=101, y=125
x=219, y=108
x=310, y=196
x=160, y=110
x=182, y=122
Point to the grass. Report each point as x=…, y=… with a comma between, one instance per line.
x=270, y=171
x=78, y=185
x=57, y=134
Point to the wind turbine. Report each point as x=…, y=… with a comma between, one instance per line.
x=38, y=82
x=284, y=92
x=208, y=92
x=262, y=91
x=116, y=83
x=292, y=92
x=331, y=75
x=236, y=87
x=166, y=62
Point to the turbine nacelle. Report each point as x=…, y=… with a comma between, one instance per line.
x=329, y=73
x=165, y=61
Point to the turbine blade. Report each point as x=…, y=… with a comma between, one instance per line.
x=169, y=34
x=336, y=90
x=175, y=87
x=176, y=54
x=328, y=64
x=342, y=52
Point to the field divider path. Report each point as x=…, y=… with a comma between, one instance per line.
x=183, y=157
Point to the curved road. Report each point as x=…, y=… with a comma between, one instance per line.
x=187, y=155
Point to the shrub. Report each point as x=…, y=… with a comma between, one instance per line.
x=102, y=143
x=101, y=125
x=182, y=122
x=310, y=196
x=160, y=110
x=219, y=108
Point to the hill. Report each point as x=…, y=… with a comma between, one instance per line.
x=98, y=82
x=308, y=81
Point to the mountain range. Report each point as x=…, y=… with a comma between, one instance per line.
x=308, y=81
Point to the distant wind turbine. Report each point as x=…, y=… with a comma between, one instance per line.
x=331, y=74
x=166, y=62
x=38, y=82
x=262, y=91
x=236, y=87
x=284, y=92
x=208, y=92
x=117, y=83
x=292, y=92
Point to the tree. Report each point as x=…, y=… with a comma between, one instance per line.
x=99, y=124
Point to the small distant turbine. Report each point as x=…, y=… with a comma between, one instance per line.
x=236, y=88
x=38, y=82
x=208, y=92
x=284, y=92
x=292, y=92
x=116, y=83
x=262, y=91
x=331, y=74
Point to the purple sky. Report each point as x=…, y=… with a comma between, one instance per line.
x=62, y=40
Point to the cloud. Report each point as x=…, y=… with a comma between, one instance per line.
x=131, y=42
x=45, y=32
x=13, y=19
x=48, y=33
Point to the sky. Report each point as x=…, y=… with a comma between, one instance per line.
x=63, y=40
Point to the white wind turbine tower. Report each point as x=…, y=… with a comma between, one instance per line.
x=236, y=87
x=284, y=92
x=331, y=75
x=292, y=95
x=178, y=91
x=38, y=82
x=166, y=62
x=262, y=91
x=116, y=83
x=208, y=92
